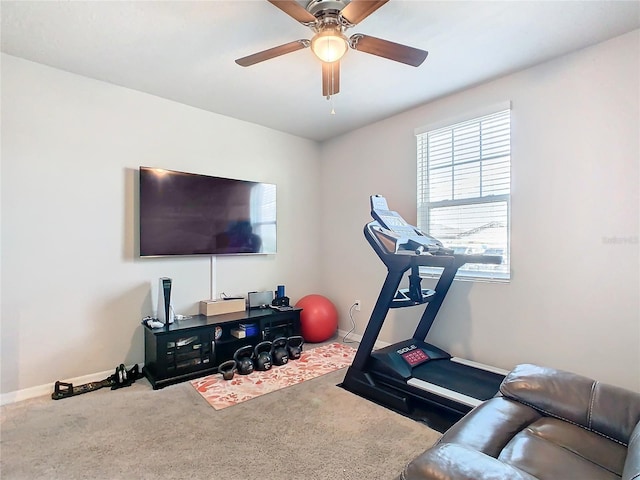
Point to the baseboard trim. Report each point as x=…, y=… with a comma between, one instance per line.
x=358, y=338
x=47, y=389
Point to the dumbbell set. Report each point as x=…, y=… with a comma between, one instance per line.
x=263, y=356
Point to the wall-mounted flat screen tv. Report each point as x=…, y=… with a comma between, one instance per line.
x=189, y=214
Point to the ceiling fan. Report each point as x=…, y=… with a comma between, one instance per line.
x=329, y=19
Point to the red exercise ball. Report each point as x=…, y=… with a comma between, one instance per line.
x=318, y=318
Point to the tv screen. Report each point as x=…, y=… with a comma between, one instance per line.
x=189, y=214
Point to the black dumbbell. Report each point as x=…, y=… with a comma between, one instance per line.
x=244, y=359
x=294, y=346
x=228, y=369
x=263, y=356
x=280, y=354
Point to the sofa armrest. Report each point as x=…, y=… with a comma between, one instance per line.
x=450, y=461
x=491, y=425
x=605, y=409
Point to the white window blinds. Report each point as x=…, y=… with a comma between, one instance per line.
x=464, y=179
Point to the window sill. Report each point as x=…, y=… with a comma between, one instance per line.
x=484, y=277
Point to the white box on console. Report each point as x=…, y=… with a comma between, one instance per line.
x=218, y=307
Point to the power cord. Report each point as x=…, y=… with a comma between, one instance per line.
x=224, y=296
x=177, y=316
x=353, y=326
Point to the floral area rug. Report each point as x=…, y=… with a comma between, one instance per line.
x=312, y=363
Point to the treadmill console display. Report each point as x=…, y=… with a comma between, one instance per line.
x=389, y=219
x=397, y=231
x=413, y=355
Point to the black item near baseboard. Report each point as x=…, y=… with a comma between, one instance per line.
x=121, y=378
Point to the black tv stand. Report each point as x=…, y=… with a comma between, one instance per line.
x=196, y=346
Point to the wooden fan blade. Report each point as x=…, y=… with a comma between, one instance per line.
x=385, y=48
x=358, y=10
x=294, y=10
x=330, y=78
x=273, y=52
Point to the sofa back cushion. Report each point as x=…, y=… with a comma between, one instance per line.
x=608, y=410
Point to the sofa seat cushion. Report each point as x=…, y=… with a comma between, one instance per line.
x=551, y=449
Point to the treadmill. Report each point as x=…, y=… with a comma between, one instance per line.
x=414, y=377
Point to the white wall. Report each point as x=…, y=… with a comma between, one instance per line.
x=73, y=289
x=573, y=300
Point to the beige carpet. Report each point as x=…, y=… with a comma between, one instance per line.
x=313, y=430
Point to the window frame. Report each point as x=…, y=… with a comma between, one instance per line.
x=423, y=207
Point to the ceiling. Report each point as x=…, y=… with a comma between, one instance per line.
x=185, y=51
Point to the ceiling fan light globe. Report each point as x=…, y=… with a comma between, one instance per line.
x=329, y=46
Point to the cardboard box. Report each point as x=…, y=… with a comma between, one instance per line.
x=218, y=307
x=238, y=333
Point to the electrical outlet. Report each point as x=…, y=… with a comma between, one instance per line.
x=357, y=305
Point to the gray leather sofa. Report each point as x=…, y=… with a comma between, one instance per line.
x=544, y=424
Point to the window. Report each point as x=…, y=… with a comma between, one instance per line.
x=263, y=214
x=464, y=189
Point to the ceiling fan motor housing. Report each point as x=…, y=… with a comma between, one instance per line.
x=317, y=6
x=327, y=13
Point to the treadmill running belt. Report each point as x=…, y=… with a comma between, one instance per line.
x=460, y=378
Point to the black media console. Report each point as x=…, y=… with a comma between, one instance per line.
x=194, y=347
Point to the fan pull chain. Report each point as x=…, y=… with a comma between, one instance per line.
x=330, y=99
